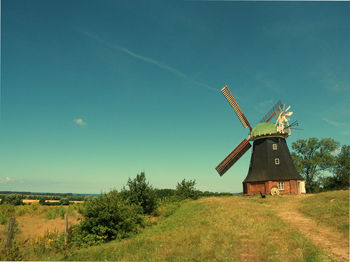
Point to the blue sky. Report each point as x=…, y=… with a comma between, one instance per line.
x=94, y=92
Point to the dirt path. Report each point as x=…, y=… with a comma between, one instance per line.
x=330, y=241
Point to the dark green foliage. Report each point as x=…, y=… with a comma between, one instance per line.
x=42, y=201
x=64, y=201
x=186, y=189
x=13, y=199
x=108, y=217
x=164, y=193
x=141, y=193
x=341, y=171
x=311, y=157
x=6, y=211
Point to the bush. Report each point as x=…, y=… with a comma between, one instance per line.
x=64, y=201
x=141, y=193
x=6, y=211
x=186, y=189
x=13, y=199
x=108, y=217
x=53, y=212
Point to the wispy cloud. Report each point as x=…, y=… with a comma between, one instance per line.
x=6, y=180
x=333, y=122
x=145, y=59
x=79, y=122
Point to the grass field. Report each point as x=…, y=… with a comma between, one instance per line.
x=226, y=228
x=330, y=209
x=34, y=220
x=219, y=228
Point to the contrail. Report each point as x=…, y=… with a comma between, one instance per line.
x=140, y=57
x=146, y=59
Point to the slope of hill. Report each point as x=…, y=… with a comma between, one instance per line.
x=217, y=228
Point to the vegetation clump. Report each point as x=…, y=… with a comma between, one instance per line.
x=108, y=217
x=186, y=190
x=13, y=199
x=140, y=193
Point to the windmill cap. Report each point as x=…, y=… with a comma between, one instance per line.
x=263, y=130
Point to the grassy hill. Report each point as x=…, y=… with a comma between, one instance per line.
x=230, y=228
x=281, y=228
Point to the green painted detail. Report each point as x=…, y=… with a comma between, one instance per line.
x=263, y=129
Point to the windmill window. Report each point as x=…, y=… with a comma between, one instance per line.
x=274, y=146
x=281, y=185
x=277, y=161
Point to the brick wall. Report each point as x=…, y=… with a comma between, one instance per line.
x=290, y=187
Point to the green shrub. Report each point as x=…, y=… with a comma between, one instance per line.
x=141, y=193
x=108, y=217
x=53, y=212
x=186, y=189
x=14, y=199
x=62, y=211
x=6, y=211
x=64, y=201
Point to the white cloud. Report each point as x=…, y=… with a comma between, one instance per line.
x=6, y=180
x=79, y=122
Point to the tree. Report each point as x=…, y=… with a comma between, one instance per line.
x=341, y=170
x=141, y=193
x=313, y=156
x=186, y=189
x=108, y=217
x=13, y=199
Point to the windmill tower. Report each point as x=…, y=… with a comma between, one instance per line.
x=271, y=167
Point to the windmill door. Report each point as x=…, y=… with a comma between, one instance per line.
x=301, y=187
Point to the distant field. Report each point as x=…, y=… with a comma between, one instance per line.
x=29, y=201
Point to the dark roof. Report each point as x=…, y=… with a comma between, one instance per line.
x=262, y=163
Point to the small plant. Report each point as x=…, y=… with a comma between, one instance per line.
x=48, y=242
x=6, y=210
x=186, y=189
x=11, y=254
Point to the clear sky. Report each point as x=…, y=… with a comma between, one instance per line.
x=94, y=92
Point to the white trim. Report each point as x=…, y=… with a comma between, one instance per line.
x=281, y=185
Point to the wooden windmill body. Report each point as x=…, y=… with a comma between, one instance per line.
x=271, y=167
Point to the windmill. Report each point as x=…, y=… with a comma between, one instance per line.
x=271, y=167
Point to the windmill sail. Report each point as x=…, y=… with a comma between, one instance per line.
x=276, y=107
x=227, y=93
x=232, y=158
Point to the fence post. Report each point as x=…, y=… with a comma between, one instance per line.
x=10, y=232
x=66, y=228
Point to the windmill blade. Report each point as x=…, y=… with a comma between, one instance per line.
x=274, y=109
x=287, y=108
x=232, y=158
x=227, y=93
x=288, y=114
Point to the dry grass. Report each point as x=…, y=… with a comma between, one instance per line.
x=34, y=225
